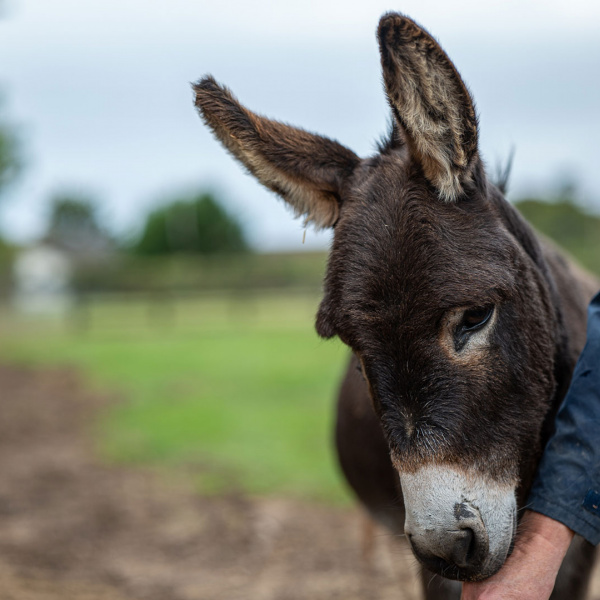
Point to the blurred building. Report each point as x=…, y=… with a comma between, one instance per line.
x=42, y=280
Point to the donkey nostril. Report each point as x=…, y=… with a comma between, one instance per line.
x=471, y=542
x=464, y=547
x=457, y=551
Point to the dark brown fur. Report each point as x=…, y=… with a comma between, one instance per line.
x=421, y=233
x=308, y=171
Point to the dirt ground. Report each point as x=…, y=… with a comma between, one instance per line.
x=71, y=528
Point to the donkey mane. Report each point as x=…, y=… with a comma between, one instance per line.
x=391, y=140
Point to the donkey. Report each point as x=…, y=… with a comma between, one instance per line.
x=464, y=325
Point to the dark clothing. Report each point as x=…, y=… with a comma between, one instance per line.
x=567, y=485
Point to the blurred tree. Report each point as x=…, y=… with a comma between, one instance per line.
x=10, y=165
x=9, y=155
x=74, y=225
x=198, y=225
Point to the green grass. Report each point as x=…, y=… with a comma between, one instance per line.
x=180, y=272
x=572, y=227
x=241, y=389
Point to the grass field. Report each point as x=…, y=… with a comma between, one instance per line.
x=240, y=389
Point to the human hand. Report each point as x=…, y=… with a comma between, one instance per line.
x=530, y=571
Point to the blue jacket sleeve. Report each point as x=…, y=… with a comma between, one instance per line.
x=567, y=485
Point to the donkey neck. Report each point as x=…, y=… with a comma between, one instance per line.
x=565, y=356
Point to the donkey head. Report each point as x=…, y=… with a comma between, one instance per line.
x=436, y=286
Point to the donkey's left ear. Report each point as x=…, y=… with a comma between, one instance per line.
x=430, y=102
x=307, y=170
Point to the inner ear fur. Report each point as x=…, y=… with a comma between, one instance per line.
x=430, y=102
x=307, y=170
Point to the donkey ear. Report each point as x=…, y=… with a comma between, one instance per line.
x=307, y=170
x=430, y=102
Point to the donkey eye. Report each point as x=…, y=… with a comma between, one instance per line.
x=475, y=318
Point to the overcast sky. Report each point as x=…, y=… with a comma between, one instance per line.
x=101, y=92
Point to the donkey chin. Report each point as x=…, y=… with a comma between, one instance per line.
x=460, y=524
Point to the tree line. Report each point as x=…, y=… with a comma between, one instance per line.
x=198, y=224
x=195, y=224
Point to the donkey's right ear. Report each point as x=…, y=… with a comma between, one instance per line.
x=307, y=170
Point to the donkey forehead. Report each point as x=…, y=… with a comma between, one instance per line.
x=396, y=241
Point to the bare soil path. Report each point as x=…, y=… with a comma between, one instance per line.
x=74, y=529
x=71, y=527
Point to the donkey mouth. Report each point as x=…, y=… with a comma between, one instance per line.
x=442, y=567
x=463, y=556
x=459, y=526
x=474, y=566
